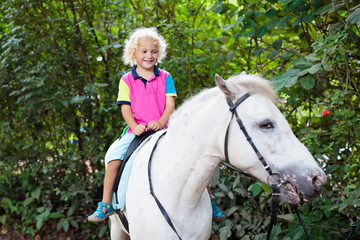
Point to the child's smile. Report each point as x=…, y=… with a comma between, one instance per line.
x=147, y=54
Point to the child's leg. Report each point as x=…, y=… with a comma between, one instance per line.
x=111, y=173
x=116, y=152
x=105, y=208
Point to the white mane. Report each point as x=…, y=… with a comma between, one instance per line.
x=238, y=84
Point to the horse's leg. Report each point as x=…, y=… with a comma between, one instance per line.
x=116, y=232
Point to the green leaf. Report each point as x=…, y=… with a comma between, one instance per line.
x=60, y=224
x=56, y=215
x=74, y=223
x=265, y=187
x=28, y=201
x=296, y=233
x=231, y=195
x=272, y=24
x=312, y=57
x=272, y=54
x=255, y=189
x=284, y=22
x=270, y=13
x=232, y=210
x=314, y=69
x=258, y=51
x=239, y=20
x=249, y=13
x=291, y=81
x=307, y=81
x=230, y=56
x=3, y=219
x=71, y=210
x=293, y=4
x=310, y=17
x=223, y=187
x=249, y=23
x=227, y=27
x=326, y=65
x=299, y=20
x=224, y=232
x=327, y=212
x=354, y=17
x=261, y=31
x=277, y=44
x=250, y=33
x=343, y=206
x=258, y=14
x=279, y=82
x=39, y=224
x=302, y=63
x=103, y=230
x=303, y=72
x=291, y=72
x=288, y=217
x=285, y=56
x=66, y=225
x=36, y=193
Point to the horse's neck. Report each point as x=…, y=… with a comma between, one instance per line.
x=188, y=169
x=191, y=152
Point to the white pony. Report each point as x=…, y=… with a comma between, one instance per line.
x=187, y=156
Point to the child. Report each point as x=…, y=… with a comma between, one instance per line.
x=147, y=99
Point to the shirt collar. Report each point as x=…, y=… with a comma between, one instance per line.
x=135, y=75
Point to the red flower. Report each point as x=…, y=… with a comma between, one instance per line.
x=326, y=112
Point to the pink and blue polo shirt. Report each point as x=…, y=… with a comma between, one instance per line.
x=147, y=98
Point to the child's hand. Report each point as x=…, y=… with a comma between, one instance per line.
x=139, y=129
x=154, y=125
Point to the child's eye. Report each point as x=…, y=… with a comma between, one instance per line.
x=154, y=52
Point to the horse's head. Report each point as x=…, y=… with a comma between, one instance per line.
x=272, y=136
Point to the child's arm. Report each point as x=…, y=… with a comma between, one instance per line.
x=169, y=108
x=126, y=112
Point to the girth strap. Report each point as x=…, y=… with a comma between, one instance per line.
x=161, y=207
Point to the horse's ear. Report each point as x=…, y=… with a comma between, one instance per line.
x=220, y=82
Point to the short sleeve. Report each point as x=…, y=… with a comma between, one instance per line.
x=170, y=87
x=124, y=93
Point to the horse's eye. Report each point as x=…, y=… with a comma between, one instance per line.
x=267, y=124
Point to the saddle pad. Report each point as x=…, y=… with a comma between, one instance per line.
x=123, y=183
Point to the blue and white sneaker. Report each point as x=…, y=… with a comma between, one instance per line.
x=217, y=213
x=99, y=215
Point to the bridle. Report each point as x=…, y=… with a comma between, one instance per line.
x=274, y=179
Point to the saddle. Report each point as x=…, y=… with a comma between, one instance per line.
x=132, y=147
x=135, y=143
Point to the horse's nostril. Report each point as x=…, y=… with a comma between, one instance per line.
x=317, y=182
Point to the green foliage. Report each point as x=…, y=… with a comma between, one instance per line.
x=60, y=63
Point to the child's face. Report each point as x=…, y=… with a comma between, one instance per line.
x=147, y=54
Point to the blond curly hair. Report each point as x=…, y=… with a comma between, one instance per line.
x=131, y=44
